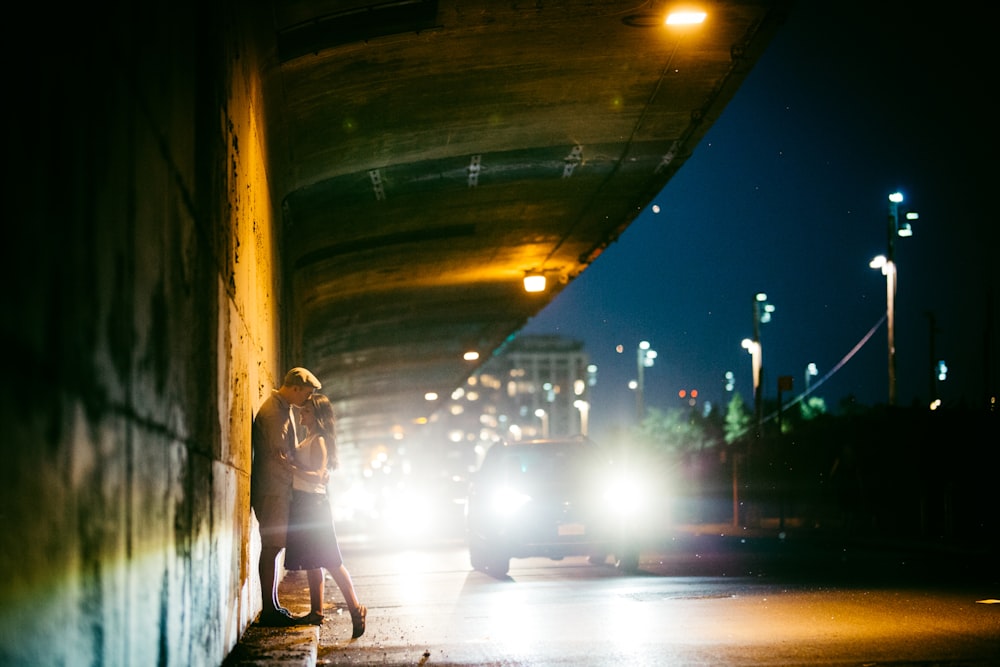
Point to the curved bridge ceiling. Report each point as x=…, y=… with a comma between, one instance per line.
x=428, y=154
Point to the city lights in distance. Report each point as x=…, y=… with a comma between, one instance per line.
x=646, y=355
x=905, y=230
x=765, y=312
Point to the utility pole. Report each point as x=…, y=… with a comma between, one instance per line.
x=888, y=265
x=761, y=315
x=890, y=290
x=932, y=357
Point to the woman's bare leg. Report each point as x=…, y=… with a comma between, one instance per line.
x=358, y=610
x=343, y=579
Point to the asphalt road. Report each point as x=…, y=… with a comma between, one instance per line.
x=700, y=599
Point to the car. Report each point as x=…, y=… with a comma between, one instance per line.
x=551, y=498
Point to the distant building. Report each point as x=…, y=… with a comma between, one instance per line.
x=537, y=386
x=546, y=386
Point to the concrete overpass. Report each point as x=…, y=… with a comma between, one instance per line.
x=204, y=194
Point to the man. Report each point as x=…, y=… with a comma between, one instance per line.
x=274, y=441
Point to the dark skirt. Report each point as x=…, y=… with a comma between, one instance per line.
x=312, y=540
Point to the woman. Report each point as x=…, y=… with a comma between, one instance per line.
x=312, y=541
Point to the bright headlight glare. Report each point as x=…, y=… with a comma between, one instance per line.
x=506, y=501
x=624, y=497
x=408, y=513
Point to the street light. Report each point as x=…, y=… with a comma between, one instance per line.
x=811, y=372
x=887, y=264
x=644, y=357
x=544, y=416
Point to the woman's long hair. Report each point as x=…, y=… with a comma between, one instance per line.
x=326, y=426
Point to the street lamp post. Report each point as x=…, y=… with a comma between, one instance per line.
x=753, y=348
x=888, y=265
x=761, y=315
x=644, y=357
x=762, y=311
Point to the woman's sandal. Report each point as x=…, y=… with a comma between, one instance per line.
x=358, y=620
x=313, y=618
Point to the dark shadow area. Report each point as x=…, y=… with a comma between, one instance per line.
x=889, y=475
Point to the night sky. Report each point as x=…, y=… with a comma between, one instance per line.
x=788, y=195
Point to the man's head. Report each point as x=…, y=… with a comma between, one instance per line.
x=299, y=385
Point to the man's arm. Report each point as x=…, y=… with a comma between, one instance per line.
x=276, y=437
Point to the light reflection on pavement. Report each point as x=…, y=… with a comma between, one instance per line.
x=427, y=607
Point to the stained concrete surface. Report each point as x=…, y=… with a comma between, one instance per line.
x=295, y=646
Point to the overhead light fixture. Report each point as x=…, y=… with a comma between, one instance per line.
x=534, y=281
x=685, y=18
x=471, y=355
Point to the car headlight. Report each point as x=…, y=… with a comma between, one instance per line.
x=625, y=497
x=506, y=501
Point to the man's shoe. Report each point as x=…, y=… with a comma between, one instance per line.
x=279, y=618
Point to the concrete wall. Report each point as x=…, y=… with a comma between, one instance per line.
x=140, y=326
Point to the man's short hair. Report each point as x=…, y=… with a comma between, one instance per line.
x=301, y=377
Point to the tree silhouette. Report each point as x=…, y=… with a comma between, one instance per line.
x=738, y=419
